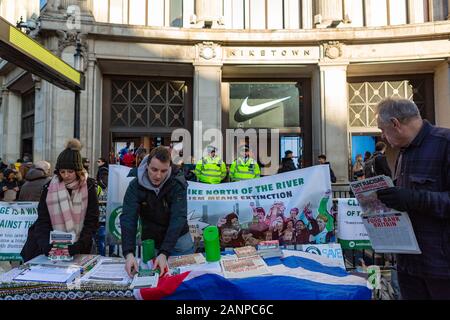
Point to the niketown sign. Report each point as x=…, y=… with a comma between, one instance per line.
x=303, y=54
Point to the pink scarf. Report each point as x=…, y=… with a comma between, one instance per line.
x=67, y=212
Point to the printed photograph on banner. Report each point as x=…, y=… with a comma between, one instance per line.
x=292, y=207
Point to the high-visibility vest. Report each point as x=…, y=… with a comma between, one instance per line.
x=210, y=170
x=244, y=170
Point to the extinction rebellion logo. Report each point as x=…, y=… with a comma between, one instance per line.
x=114, y=224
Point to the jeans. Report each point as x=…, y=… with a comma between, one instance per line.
x=101, y=235
x=101, y=241
x=184, y=246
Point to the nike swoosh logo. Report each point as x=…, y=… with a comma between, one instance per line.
x=246, y=112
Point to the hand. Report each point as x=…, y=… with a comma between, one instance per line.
x=131, y=265
x=397, y=198
x=5, y=189
x=16, y=189
x=161, y=263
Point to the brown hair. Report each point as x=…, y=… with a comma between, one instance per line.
x=380, y=146
x=80, y=175
x=161, y=153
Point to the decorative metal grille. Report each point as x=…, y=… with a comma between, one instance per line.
x=148, y=104
x=364, y=96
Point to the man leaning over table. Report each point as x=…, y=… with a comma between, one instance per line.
x=160, y=191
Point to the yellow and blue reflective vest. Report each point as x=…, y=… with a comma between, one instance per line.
x=244, y=170
x=210, y=170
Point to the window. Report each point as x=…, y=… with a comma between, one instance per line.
x=264, y=105
x=147, y=104
x=176, y=13
x=27, y=126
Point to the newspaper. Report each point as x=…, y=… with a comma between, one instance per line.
x=145, y=279
x=51, y=274
x=108, y=271
x=244, y=267
x=247, y=251
x=389, y=230
x=82, y=261
x=181, y=261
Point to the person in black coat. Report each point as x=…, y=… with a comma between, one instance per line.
x=287, y=164
x=323, y=160
x=381, y=164
x=69, y=183
x=102, y=173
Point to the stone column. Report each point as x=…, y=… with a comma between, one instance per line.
x=307, y=14
x=416, y=11
x=442, y=94
x=330, y=10
x=12, y=123
x=207, y=98
x=334, y=117
x=91, y=114
x=208, y=11
x=448, y=9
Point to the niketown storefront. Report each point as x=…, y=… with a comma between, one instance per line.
x=225, y=89
x=315, y=96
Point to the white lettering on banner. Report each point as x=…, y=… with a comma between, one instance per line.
x=15, y=220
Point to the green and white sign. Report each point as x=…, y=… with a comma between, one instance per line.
x=351, y=231
x=15, y=220
x=118, y=182
x=114, y=225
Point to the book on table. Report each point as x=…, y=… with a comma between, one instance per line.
x=82, y=261
x=51, y=274
x=145, y=279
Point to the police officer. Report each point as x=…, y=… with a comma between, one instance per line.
x=211, y=169
x=244, y=167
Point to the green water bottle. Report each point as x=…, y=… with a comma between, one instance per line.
x=148, y=250
x=212, y=244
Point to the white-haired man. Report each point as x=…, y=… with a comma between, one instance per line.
x=422, y=179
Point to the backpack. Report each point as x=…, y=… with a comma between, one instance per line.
x=369, y=168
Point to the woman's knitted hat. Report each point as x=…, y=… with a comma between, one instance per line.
x=70, y=157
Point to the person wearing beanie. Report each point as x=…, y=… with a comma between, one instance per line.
x=35, y=179
x=68, y=203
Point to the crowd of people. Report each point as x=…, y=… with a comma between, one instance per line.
x=373, y=164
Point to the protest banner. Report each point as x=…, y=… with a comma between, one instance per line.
x=389, y=230
x=249, y=211
x=351, y=232
x=292, y=207
x=15, y=219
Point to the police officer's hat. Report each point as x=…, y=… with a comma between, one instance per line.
x=244, y=148
x=211, y=149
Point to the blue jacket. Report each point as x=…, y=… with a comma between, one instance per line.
x=425, y=166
